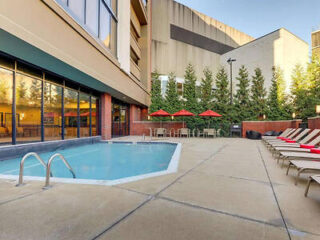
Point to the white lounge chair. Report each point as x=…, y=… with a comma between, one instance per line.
x=315, y=178
x=303, y=166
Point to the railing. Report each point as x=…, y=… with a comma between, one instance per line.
x=47, y=184
x=22, y=165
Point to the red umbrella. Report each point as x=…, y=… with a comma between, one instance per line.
x=183, y=113
x=86, y=114
x=71, y=114
x=209, y=113
x=160, y=113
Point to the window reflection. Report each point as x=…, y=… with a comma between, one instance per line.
x=28, y=108
x=70, y=113
x=6, y=78
x=92, y=8
x=94, y=114
x=84, y=115
x=52, y=111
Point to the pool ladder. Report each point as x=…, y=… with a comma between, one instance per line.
x=47, y=167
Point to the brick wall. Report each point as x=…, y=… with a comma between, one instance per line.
x=314, y=123
x=264, y=126
x=143, y=127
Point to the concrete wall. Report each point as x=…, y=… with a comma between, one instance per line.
x=265, y=126
x=171, y=55
x=279, y=48
x=46, y=26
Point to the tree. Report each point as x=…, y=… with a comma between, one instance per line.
x=191, y=98
x=21, y=91
x=242, y=96
x=172, y=101
x=314, y=77
x=206, y=95
x=156, y=96
x=273, y=101
x=35, y=93
x=258, y=94
x=222, y=93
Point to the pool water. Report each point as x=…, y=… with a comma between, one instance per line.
x=99, y=161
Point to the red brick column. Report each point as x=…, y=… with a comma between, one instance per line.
x=106, y=116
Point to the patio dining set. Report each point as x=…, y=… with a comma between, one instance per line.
x=184, y=131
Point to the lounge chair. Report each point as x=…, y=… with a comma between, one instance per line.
x=283, y=134
x=286, y=156
x=294, y=138
x=303, y=166
x=315, y=178
x=296, y=147
x=291, y=133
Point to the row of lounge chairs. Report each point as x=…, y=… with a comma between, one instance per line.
x=298, y=147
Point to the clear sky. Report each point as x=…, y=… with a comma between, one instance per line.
x=259, y=17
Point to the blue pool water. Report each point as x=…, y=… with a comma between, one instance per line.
x=99, y=161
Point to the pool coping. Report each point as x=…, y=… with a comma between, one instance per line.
x=172, y=168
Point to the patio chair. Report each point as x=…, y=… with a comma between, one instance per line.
x=219, y=132
x=172, y=133
x=303, y=166
x=315, y=178
x=184, y=132
x=211, y=132
x=161, y=132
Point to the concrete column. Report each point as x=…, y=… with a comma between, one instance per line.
x=106, y=115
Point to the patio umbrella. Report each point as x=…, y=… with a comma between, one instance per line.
x=160, y=113
x=209, y=113
x=183, y=113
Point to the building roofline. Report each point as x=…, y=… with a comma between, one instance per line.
x=277, y=30
x=315, y=31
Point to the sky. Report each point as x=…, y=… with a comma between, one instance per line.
x=259, y=17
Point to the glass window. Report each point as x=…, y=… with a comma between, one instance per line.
x=180, y=89
x=6, y=78
x=95, y=116
x=28, y=108
x=52, y=118
x=92, y=15
x=105, y=25
x=113, y=41
x=84, y=115
x=70, y=113
x=77, y=8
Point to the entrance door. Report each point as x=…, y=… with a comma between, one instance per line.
x=120, y=118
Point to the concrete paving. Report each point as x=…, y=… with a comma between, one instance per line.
x=223, y=189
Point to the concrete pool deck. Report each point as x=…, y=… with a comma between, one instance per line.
x=223, y=189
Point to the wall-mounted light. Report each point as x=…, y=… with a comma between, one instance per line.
x=149, y=117
x=293, y=115
x=172, y=117
x=264, y=117
x=318, y=109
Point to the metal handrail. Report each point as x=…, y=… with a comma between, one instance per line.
x=22, y=165
x=47, y=185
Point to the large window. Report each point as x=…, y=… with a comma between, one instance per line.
x=6, y=79
x=28, y=108
x=101, y=23
x=46, y=107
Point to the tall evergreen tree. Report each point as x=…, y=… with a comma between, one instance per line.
x=156, y=96
x=172, y=101
x=242, y=96
x=191, y=98
x=222, y=93
x=258, y=94
x=273, y=101
x=206, y=95
x=314, y=77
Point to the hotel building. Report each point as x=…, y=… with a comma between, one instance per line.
x=72, y=68
x=315, y=42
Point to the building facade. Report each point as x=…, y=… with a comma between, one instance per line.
x=315, y=42
x=72, y=68
x=181, y=35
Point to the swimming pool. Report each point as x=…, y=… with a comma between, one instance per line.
x=106, y=163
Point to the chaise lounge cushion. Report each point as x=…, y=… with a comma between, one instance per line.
x=291, y=141
x=315, y=150
x=306, y=146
